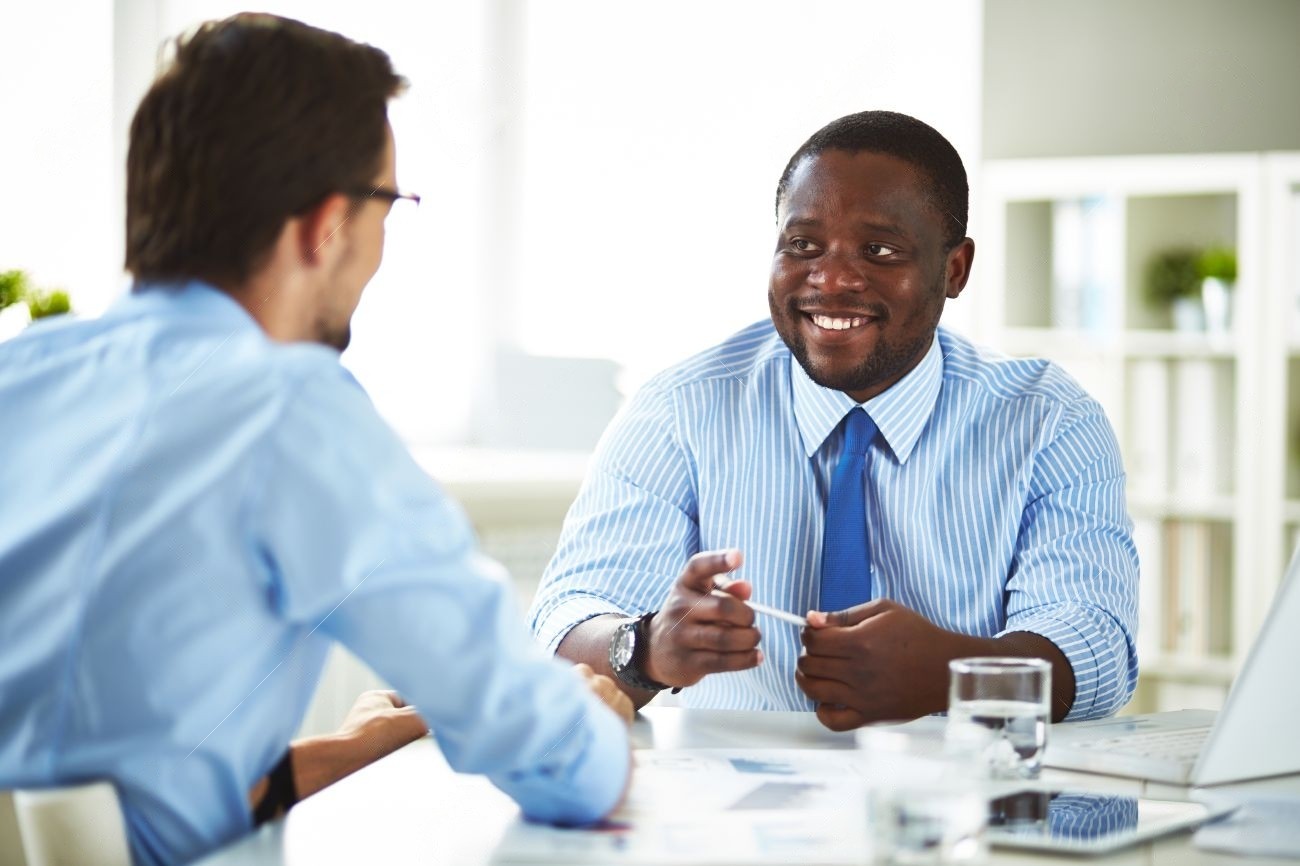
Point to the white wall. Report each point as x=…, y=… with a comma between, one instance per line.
x=653, y=136
x=56, y=159
x=1064, y=78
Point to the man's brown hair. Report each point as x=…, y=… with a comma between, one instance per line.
x=256, y=119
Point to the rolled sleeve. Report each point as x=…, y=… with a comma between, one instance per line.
x=562, y=616
x=1074, y=578
x=1095, y=646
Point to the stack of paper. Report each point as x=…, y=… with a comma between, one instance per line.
x=707, y=806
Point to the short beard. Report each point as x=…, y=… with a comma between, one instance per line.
x=887, y=363
x=333, y=336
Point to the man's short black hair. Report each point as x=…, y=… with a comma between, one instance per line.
x=903, y=137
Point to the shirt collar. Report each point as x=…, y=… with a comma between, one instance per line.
x=191, y=298
x=900, y=413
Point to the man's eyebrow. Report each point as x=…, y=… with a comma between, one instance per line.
x=871, y=225
x=889, y=228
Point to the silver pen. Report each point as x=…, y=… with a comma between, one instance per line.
x=719, y=585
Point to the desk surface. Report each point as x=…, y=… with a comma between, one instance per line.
x=411, y=808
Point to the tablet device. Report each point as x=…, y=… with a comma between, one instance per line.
x=1084, y=822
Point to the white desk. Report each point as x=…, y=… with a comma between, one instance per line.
x=410, y=807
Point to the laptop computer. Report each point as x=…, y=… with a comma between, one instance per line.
x=1252, y=737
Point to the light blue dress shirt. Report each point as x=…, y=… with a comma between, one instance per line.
x=190, y=514
x=994, y=493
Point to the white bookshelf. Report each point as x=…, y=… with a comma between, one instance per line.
x=1209, y=423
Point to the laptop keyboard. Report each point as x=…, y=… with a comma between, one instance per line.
x=1182, y=745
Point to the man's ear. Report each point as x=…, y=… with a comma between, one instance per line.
x=322, y=228
x=958, y=265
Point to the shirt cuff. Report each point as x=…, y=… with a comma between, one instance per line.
x=1099, y=680
x=569, y=613
x=591, y=785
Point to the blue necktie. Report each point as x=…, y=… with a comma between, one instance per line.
x=846, y=561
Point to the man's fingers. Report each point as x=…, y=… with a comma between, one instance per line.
x=613, y=697
x=720, y=638
x=703, y=567
x=741, y=589
x=825, y=668
x=715, y=662
x=832, y=643
x=847, y=617
x=824, y=691
x=840, y=718
x=413, y=724
x=716, y=607
x=618, y=702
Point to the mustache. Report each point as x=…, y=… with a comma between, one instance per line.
x=808, y=303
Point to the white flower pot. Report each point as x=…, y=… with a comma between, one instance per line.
x=1216, y=297
x=1189, y=315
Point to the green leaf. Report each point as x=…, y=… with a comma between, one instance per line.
x=1173, y=274
x=13, y=287
x=48, y=303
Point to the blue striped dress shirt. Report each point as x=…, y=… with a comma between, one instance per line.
x=995, y=502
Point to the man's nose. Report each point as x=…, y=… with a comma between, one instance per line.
x=838, y=272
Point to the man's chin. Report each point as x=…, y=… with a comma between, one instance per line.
x=850, y=382
x=337, y=339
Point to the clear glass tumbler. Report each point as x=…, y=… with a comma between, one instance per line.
x=1011, y=699
x=926, y=804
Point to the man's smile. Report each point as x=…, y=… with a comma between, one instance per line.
x=838, y=323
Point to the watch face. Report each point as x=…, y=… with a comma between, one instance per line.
x=624, y=643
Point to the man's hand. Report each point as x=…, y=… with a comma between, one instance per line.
x=697, y=632
x=878, y=661
x=379, y=722
x=609, y=692
x=881, y=661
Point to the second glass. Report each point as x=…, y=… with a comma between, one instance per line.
x=1010, y=698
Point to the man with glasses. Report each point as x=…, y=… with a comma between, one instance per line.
x=199, y=500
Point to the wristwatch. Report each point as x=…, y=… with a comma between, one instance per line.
x=628, y=649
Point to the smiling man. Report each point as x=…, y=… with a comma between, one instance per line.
x=922, y=499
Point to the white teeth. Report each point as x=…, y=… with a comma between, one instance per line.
x=832, y=324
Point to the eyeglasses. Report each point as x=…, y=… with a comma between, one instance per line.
x=389, y=195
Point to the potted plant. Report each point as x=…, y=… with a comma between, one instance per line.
x=51, y=302
x=14, y=315
x=13, y=287
x=1173, y=279
x=1217, y=267
x=26, y=304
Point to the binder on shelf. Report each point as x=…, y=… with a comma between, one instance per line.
x=1170, y=589
x=1203, y=428
x=1148, y=429
x=1219, y=602
x=1187, y=586
x=1148, y=536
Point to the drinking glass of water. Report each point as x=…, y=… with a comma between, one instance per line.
x=1011, y=698
x=926, y=803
